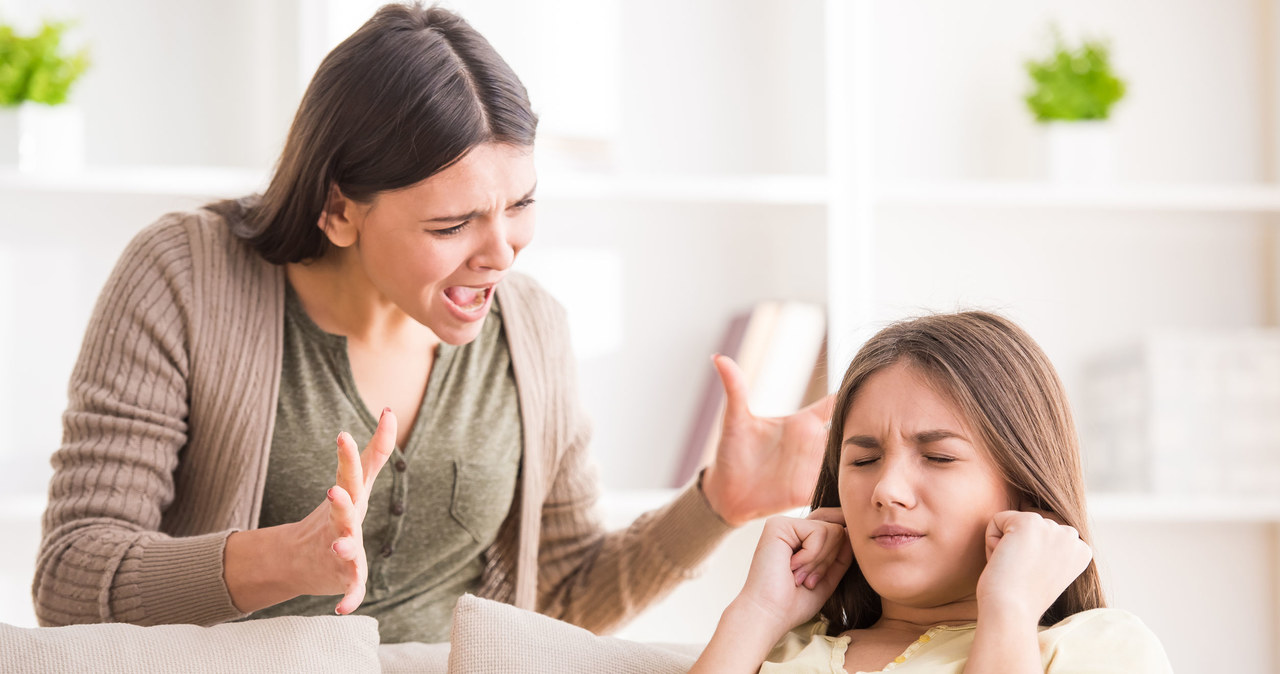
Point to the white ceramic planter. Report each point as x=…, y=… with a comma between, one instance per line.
x=1080, y=152
x=36, y=138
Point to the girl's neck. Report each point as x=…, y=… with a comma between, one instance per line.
x=902, y=618
x=340, y=299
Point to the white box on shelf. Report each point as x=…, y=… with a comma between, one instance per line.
x=1186, y=412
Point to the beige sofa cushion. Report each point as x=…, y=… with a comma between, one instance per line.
x=489, y=636
x=288, y=644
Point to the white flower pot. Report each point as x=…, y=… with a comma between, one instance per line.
x=37, y=138
x=1080, y=152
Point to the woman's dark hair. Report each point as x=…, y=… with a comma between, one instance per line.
x=1005, y=387
x=404, y=97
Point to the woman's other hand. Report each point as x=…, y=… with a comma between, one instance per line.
x=324, y=553
x=796, y=567
x=763, y=465
x=1031, y=559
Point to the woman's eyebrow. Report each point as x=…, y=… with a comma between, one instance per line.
x=477, y=213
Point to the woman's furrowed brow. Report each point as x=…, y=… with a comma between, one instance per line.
x=477, y=213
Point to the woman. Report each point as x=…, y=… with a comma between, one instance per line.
x=949, y=532
x=231, y=344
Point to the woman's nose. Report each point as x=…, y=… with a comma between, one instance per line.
x=498, y=249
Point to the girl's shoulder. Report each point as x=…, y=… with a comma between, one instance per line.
x=1103, y=637
x=807, y=648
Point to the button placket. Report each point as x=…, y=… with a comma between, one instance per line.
x=399, y=481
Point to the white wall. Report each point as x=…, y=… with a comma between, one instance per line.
x=736, y=87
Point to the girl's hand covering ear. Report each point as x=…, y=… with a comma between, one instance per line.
x=763, y=465
x=796, y=566
x=1031, y=559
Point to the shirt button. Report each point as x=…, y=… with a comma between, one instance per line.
x=401, y=465
x=387, y=549
x=397, y=509
x=899, y=659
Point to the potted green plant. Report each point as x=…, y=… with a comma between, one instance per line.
x=38, y=129
x=1073, y=90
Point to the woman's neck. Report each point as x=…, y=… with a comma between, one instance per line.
x=340, y=299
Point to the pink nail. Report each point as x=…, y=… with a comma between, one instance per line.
x=329, y=493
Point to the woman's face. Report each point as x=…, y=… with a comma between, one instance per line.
x=438, y=248
x=917, y=489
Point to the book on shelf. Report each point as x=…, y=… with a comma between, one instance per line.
x=781, y=348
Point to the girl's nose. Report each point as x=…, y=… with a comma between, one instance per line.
x=894, y=486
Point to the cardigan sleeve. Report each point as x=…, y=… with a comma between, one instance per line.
x=586, y=576
x=102, y=557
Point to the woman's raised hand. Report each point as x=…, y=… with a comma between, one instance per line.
x=331, y=537
x=763, y=465
x=796, y=566
x=1031, y=559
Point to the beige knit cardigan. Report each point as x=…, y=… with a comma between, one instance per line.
x=169, y=423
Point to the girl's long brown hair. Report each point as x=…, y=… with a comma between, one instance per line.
x=1008, y=391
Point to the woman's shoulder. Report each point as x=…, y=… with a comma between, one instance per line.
x=187, y=234
x=1104, y=634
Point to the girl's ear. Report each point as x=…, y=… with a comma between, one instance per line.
x=338, y=219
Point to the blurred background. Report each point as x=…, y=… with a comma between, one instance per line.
x=872, y=157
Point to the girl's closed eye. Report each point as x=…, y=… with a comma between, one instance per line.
x=523, y=204
x=940, y=459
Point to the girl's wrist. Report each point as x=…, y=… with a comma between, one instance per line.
x=1007, y=612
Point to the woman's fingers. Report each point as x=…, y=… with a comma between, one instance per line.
x=822, y=408
x=350, y=474
x=735, y=388
x=354, y=595
x=349, y=547
x=343, y=513
x=380, y=447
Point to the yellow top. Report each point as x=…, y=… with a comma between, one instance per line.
x=1100, y=641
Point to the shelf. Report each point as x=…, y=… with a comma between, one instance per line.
x=1244, y=198
x=1168, y=508
x=143, y=180
x=746, y=189
x=552, y=185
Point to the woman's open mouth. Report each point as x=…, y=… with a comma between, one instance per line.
x=466, y=302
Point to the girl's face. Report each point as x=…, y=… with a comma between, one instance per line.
x=917, y=489
x=437, y=249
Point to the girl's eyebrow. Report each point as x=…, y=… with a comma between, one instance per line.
x=921, y=438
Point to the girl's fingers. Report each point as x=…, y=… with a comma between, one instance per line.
x=350, y=475
x=832, y=515
x=380, y=447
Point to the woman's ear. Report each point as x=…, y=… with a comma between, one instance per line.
x=338, y=219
